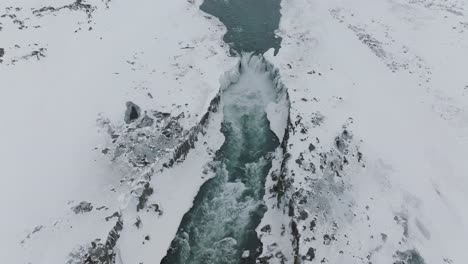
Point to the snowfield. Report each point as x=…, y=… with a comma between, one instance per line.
x=378, y=136
x=63, y=69
x=111, y=118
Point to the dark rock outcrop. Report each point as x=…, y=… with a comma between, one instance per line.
x=83, y=207
x=132, y=113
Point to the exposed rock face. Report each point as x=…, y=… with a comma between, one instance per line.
x=78, y=5
x=147, y=191
x=148, y=141
x=411, y=256
x=146, y=121
x=321, y=172
x=82, y=207
x=132, y=113
x=183, y=148
x=98, y=252
x=146, y=137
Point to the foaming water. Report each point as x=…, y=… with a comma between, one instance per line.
x=220, y=227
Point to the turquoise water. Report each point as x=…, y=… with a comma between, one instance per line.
x=220, y=227
x=251, y=24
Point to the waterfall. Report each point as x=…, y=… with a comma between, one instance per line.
x=220, y=227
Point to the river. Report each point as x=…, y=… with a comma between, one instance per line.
x=220, y=227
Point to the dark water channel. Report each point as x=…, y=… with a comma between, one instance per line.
x=251, y=24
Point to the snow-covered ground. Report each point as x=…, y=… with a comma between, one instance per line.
x=379, y=131
x=64, y=68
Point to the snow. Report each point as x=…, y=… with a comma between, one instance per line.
x=391, y=73
x=51, y=148
x=277, y=238
x=278, y=117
